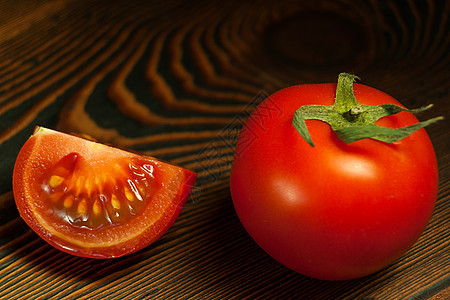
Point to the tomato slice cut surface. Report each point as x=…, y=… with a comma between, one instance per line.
x=93, y=200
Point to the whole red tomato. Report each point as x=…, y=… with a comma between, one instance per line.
x=334, y=211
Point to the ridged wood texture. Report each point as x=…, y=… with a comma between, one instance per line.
x=176, y=79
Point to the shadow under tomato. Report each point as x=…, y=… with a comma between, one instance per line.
x=28, y=257
x=236, y=265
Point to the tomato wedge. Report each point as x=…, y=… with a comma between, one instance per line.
x=93, y=200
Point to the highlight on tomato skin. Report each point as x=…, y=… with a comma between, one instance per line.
x=93, y=200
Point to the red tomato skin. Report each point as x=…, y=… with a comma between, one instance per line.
x=34, y=159
x=335, y=211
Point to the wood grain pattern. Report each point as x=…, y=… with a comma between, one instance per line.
x=177, y=79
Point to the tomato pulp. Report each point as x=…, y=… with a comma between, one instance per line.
x=335, y=211
x=93, y=200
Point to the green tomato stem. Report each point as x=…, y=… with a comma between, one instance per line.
x=345, y=98
x=352, y=121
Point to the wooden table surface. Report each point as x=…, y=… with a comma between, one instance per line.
x=168, y=78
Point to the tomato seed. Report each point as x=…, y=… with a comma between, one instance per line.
x=97, y=207
x=128, y=194
x=79, y=184
x=88, y=186
x=82, y=207
x=55, y=181
x=115, y=202
x=68, y=201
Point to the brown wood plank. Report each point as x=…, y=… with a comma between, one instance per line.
x=176, y=79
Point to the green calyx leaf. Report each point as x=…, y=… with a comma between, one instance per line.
x=352, y=121
x=384, y=134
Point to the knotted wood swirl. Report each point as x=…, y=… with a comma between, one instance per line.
x=177, y=79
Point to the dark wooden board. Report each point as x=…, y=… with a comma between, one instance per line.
x=175, y=79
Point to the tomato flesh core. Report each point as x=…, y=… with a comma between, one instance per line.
x=93, y=200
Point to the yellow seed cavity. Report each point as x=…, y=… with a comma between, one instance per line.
x=128, y=194
x=82, y=207
x=115, y=202
x=97, y=207
x=55, y=181
x=87, y=186
x=80, y=183
x=68, y=201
